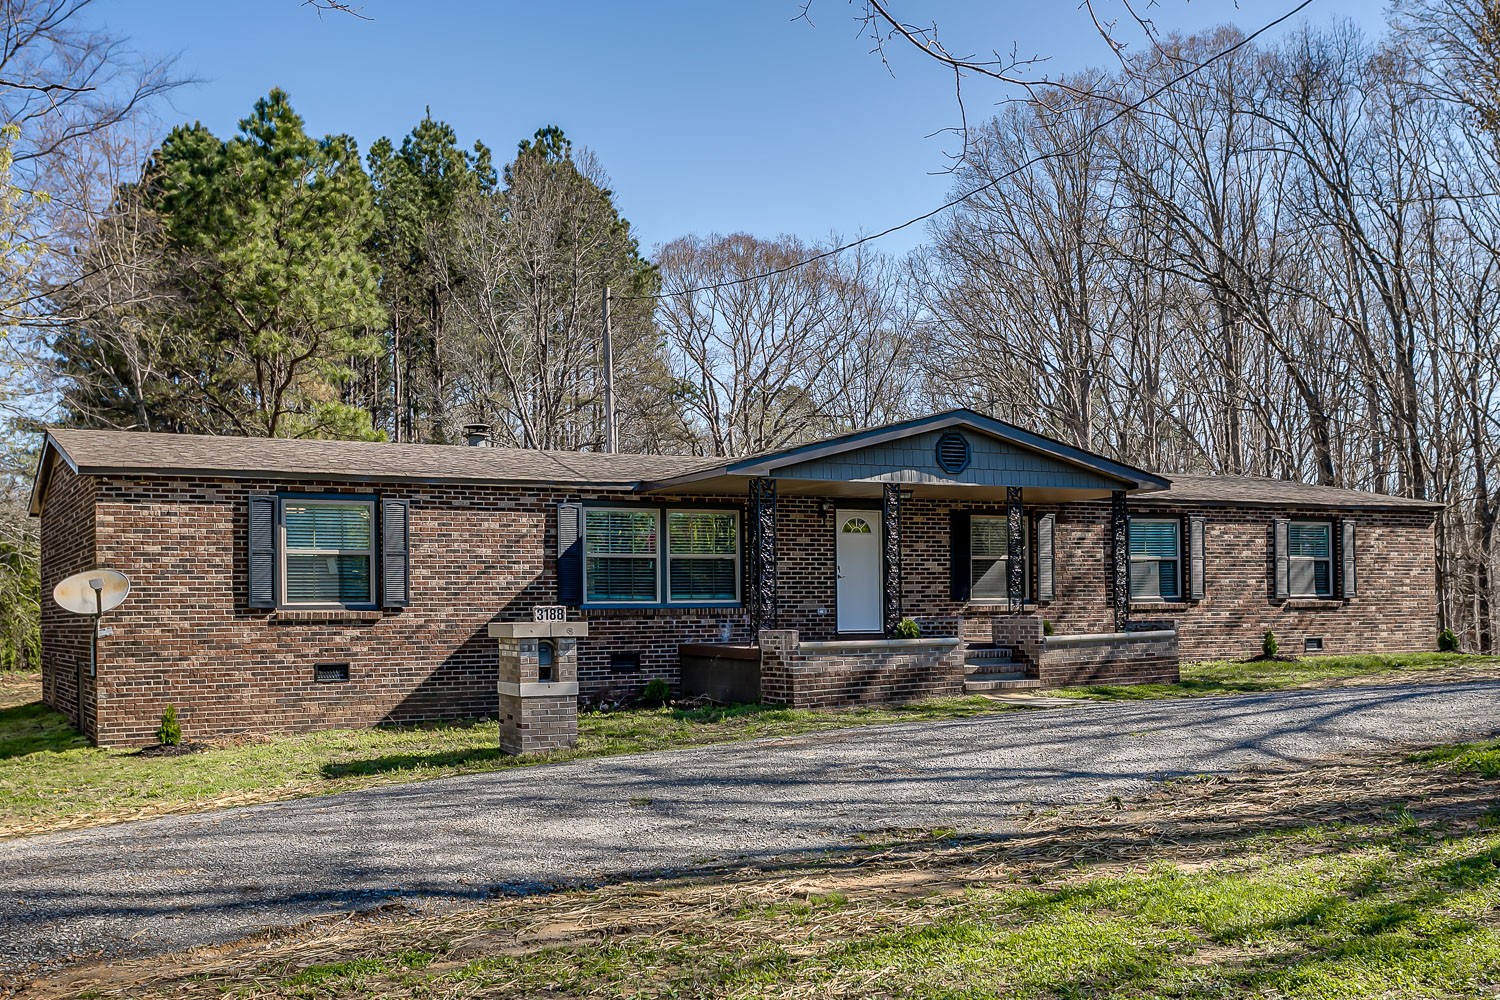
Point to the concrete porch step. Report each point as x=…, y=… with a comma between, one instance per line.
x=987, y=652
x=1014, y=680
x=989, y=665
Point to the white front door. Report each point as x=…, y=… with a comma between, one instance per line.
x=858, y=552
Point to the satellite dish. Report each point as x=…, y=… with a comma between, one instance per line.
x=92, y=592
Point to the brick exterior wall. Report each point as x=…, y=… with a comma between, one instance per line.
x=857, y=673
x=67, y=540
x=487, y=553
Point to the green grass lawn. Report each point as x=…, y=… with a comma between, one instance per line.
x=50, y=778
x=1247, y=677
x=1374, y=876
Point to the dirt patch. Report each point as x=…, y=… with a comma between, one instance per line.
x=171, y=749
x=802, y=903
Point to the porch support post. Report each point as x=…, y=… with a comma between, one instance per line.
x=1119, y=576
x=761, y=536
x=1015, y=550
x=890, y=529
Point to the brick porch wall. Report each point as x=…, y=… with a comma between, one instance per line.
x=859, y=672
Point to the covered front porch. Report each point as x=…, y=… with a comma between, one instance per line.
x=948, y=524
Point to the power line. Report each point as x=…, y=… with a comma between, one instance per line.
x=1039, y=158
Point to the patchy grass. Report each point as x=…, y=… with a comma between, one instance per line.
x=1465, y=758
x=50, y=778
x=1247, y=677
x=1366, y=876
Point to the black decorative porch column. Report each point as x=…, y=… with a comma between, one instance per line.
x=761, y=550
x=1015, y=550
x=890, y=530
x=1119, y=569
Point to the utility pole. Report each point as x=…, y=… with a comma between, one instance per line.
x=611, y=433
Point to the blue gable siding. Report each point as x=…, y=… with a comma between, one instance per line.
x=914, y=460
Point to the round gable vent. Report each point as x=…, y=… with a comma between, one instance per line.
x=953, y=453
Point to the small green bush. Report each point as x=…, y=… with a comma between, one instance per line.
x=1447, y=641
x=1047, y=626
x=1268, y=645
x=169, y=733
x=907, y=628
x=656, y=692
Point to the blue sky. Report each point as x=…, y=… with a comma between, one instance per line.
x=708, y=117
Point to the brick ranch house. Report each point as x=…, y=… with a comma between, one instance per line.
x=295, y=585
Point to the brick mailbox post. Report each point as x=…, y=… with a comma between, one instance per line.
x=538, y=685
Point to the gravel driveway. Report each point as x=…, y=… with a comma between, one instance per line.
x=181, y=881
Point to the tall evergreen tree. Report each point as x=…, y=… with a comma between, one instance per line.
x=416, y=188
x=261, y=294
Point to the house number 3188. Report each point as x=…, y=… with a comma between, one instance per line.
x=549, y=613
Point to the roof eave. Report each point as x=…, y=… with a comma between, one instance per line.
x=52, y=449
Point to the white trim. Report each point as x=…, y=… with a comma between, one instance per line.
x=655, y=556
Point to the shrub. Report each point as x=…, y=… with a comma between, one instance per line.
x=1268, y=645
x=1447, y=641
x=169, y=733
x=656, y=692
x=907, y=628
x=1047, y=626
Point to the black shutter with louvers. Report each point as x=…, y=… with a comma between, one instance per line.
x=1195, y=564
x=395, y=545
x=262, y=551
x=1346, y=558
x=570, y=553
x=1282, y=528
x=958, y=557
x=1046, y=574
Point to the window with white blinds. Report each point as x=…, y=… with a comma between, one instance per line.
x=328, y=551
x=1155, y=559
x=989, y=557
x=1310, y=558
x=649, y=556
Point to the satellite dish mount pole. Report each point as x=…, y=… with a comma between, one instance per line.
x=97, y=586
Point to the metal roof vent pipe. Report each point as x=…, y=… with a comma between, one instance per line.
x=477, y=435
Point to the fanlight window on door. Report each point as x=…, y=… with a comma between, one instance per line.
x=856, y=526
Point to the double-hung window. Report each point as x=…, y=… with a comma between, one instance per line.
x=703, y=556
x=647, y=556
x=622, y=552
x=1155, y=559
x=1310, y=558
x=328, y=552
x=989, y=558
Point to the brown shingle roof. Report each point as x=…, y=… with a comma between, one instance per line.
x=126, y=452
x=1262, y=491
x=132, y=451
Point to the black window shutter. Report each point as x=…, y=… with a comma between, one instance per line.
x=958, y=557
x=1346, y=557
x=1195, y=565
x=1046, y=575
x=1283, y=586
x=570, y=553
x=262, y=550
x=395, y=552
